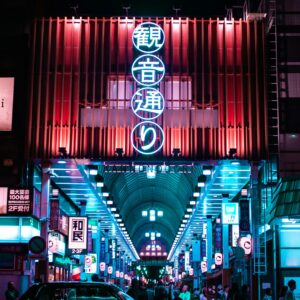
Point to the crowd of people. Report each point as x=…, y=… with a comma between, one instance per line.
x=139, y=290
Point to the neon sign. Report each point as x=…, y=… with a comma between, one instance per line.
x=147, y=103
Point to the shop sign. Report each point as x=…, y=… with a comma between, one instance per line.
x=218, y=259
x=90, y=263
x=110, y=270
x=147, y=103
x=77, y=240
x=102, y=266
x=6, y=103
x=245, y=242
x=56, y=243
x=62, y=261
x=54, y=214
x=235, y=233
x=218, y=236
x=245, y=218
x=15, y=201
x=230, y=213
x=63, y=223
x=203, y=266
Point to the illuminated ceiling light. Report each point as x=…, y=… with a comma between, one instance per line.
x=122, y=224
x=99, y=181
x=116, y=215
x=189, y=209
x=109, y=202
x=196, y=193
x=160, y=213
x=151, y=172
x=112, y=209
x=147, y=234
x=207, y=170
x=201, y=180
x=192, y=202
x=187, y=216
x=144, y=213
x=93, y=170
x=182, y=225
x=119, y=220
x=158, y=234
x=184, y=221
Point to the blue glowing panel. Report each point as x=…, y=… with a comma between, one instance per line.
x=289, y=238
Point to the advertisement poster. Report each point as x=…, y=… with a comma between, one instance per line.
x=6, y=103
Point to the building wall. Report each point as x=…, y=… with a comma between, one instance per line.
x=288, y=21
x=82, y=86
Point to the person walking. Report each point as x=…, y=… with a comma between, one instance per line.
x=290, y=293
x=185, y=294
x=282, y=292
x=11, y=292
x=268, y=294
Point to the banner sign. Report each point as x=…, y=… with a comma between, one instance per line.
x=19, y=201
x=90, y=263
x=148, y=103
x=77, y=234
x=218, y=236
x=6, y=103
x=54, y=214
x=56, y=243
x=230, y=213
x=244, y=219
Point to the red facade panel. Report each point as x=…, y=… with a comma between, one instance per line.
x=82, y=86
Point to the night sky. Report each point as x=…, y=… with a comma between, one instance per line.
x=92, y=8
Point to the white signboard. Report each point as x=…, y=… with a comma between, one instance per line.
x=230, y=213
x=56, y=243
x=90, y=263
x=6, y=103
x=235, y=235
x=77, y=233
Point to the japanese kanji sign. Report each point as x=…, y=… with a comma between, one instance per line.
x=147, y=102
x=19, y=201
x=148, y=37
x=151, y=137
x=77, y=233
x=148, y=70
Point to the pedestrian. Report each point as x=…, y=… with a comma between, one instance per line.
x=268, y=294
x=185, y=294
x=11, y=292
x=282, y=292
x=245, y=292
x=203, y=295
x=161, y=293
x=290, y=293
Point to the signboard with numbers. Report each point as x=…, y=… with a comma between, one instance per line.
x=77, y=240
x=19, y=201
